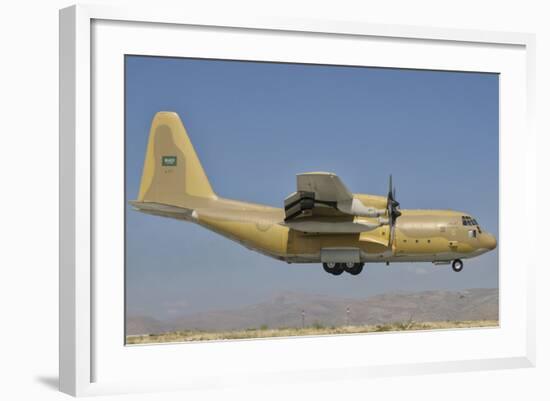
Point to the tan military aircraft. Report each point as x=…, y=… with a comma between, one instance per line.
x=321, y=222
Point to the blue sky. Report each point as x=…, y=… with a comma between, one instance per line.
x=256, y=125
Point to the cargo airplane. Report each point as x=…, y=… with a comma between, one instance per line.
x=322, y=222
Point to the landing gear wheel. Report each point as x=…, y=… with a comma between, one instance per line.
x=339, y=269
x=333, y=268
x=329, y=267
x=457, y=265
x=353, y=268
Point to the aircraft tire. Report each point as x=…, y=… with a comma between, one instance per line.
x=333, y=268
x=353, y=269
x=457, y=265
x=338, y=270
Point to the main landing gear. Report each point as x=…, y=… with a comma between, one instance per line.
x=457, y=265
x=338, y=268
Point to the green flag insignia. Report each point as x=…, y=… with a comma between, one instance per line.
x=169, y=161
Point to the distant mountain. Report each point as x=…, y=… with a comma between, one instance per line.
x=285, y=310
x=144, y=325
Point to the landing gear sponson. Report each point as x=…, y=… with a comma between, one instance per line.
x=355, y=268
x=338, y=268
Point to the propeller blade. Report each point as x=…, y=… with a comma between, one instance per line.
x=392, y=210
x=392, y=234
x=391, y=191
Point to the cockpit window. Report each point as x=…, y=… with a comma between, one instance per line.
x=468, y=221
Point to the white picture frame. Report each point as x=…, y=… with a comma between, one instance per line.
x=87, y=348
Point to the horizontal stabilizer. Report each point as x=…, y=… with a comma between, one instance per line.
x=158, y=209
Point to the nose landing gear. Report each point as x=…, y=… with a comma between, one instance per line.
x=338, y=268
x=457, y=265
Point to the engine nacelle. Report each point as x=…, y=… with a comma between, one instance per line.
x=356, y=208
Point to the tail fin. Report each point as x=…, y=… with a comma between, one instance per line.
x=172, y=172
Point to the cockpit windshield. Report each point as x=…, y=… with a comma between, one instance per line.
x=468, y=221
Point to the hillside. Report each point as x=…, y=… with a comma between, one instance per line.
x=285, y=310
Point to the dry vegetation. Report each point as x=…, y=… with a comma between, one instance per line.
x=315, y=330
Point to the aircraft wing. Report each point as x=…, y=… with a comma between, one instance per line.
x=317, y=195
x=323, y=204
x=327, y=187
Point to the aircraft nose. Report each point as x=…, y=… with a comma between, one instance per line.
x=490, y=241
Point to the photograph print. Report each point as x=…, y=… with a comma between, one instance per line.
x=269, y=200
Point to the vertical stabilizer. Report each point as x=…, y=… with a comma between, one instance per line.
x=172, y=172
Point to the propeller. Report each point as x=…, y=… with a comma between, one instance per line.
x=392, y=210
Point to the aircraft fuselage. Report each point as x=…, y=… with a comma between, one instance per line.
x=321, y=222
x=420, y=235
